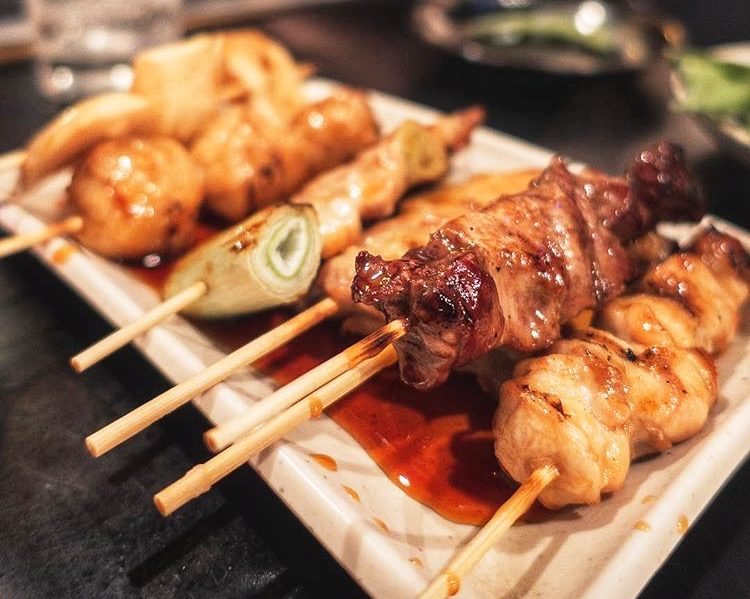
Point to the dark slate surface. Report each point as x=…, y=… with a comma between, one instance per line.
x=71, y=526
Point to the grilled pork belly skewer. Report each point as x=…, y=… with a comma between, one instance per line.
x=419, y=217
x=512, y=274
x=394, y=155
x=597, y=400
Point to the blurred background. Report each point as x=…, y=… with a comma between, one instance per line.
x=241, y=541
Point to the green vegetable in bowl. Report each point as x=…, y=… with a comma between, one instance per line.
x=713, y=87
x=541, y=26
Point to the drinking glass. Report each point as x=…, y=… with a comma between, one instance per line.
x=85, y=46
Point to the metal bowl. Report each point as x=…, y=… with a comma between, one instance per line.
x=589, y=37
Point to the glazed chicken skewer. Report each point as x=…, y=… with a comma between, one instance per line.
x=136, y=201
x=196, y=481
x=645, y=380
x=412, y=154
x=139, y=194
x=366, y=189
x=603, y=397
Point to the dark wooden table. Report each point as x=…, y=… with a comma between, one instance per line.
x=71, y=526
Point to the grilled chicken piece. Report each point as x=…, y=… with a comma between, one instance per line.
x=267, y=72
x=249, y=165
x=594, y=402
x=137, y=196
x=591, y=405
x=370, y=187
x=511, y=274
x=420, y=215
x=692, y=299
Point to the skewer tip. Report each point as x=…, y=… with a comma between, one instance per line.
x=210, y=441
x=76, y=365
x=195, y=482
x=93, y=447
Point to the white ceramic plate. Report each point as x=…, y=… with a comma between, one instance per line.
x=590, y=552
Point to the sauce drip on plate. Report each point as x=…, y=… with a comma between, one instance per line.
x=437, y=446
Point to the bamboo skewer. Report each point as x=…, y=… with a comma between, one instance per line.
x=24, y=241
x=111, y=343
x=108, y=345
x=448, y=582
x=202, y=477
x=132, y=423
x=221, y=436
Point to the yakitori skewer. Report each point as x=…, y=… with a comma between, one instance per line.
x=368, y=188
x=560, y=242
x=202, y=477
x=669, y=403
x=125, y=427
x=448, y=582
x=638, y=382
x=136, y=185
x=24, y=241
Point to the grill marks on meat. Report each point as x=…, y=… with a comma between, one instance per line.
x=691, y=299
x=594, y=403
x=511, y=274
x=598, y=400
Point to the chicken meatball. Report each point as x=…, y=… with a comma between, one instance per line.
x=137, y=196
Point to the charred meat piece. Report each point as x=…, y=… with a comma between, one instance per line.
x=512, y=273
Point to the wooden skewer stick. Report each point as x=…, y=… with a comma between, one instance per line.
x=202, y=477
x=111, y=343
x=24, y=241
x=448, y=582
x=122, y=429
x=11, y=160
x=221, y=436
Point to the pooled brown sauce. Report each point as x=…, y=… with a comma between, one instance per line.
x=381, y=525
x=683, y=524
x=351, y=493
x=325, y=461
x=437, y=445
x=64, y=253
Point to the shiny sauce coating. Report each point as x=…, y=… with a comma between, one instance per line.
x=437, y=445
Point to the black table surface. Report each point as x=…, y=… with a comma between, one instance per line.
x=72, y=526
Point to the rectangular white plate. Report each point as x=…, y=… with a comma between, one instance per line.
x=590, y=552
